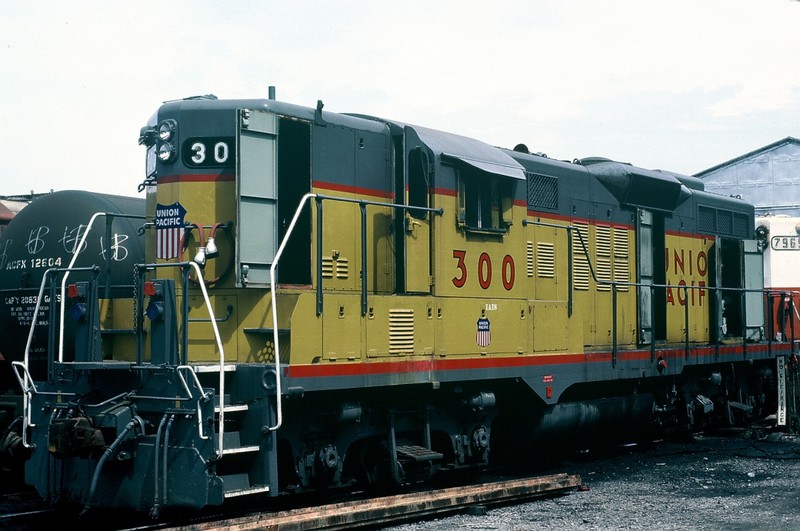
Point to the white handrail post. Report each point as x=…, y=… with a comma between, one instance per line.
x=272, y=289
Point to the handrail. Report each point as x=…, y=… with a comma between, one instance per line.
x=72, y=263
x=614, y=285
x=221, y=431
x=212, y=319
x=363, y=204
x=203, y=397
x=39, y=298
x=273, y=286
x=29, y=388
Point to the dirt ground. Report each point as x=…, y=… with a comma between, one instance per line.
x=733, y=481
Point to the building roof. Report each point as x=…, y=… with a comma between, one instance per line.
x=770, y=147
x=5, y=213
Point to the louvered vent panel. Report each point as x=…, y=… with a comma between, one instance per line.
x=622, y=273
x=603, y=250
x=342, y=268
x=580, y=271
x=603, y=244
x=622, y=267
x=546, y=260
x=401, y=331
x=327, y=267
x=603, y=272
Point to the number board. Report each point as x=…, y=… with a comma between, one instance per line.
x=209, y=152
x=785, y=243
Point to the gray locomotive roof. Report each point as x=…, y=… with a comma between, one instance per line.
x=278, y=107
x=639, y=187
x=470, y=151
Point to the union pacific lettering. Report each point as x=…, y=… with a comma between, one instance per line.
x=686, y=267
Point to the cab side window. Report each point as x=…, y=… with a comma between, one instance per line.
x=484, y=200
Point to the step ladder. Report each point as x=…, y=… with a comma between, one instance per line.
x=238, y=465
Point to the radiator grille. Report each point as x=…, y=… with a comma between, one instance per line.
x=542, y=191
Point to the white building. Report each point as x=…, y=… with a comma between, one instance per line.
x=768, y=177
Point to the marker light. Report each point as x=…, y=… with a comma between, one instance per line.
x=150, y=289
x=74, y=291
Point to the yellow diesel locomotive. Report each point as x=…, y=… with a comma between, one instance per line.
x=337, y=300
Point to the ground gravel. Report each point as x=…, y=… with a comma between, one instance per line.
x=732, y=481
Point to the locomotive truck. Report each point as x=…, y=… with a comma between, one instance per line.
x=334, y=301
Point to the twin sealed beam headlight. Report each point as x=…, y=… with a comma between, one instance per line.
x=167, y=129
x=167, y=134
x=166, y=152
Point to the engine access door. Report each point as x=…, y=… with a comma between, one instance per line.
x=646, y=274
x=755, y=324
x=650, y=245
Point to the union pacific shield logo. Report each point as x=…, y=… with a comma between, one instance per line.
x=169, y=230
x=484, y=335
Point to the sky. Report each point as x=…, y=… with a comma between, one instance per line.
x=675, y=85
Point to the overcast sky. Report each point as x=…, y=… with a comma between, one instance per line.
x=675, y=85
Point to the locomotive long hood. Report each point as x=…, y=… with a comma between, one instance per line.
x=637, y=187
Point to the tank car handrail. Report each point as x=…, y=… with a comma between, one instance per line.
x=72, y=263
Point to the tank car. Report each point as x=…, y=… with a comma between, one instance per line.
x=45, y=235
x=335, y=301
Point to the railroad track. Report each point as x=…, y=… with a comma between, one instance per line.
x=22, y=510
x=370, y=512
x=398, y=508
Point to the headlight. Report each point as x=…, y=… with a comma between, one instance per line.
x=166, y=129
x=166, y=152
